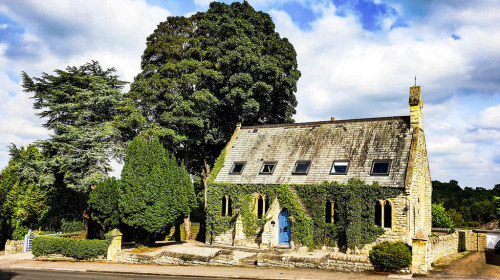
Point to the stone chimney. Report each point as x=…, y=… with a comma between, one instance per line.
x=416, y=105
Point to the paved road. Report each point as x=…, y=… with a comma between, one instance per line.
x=23, y=274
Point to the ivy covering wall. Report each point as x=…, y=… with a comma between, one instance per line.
x=354, y=201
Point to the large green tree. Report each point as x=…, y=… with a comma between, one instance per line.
x=88, y=115
x=204, y=73
x=26, y=192
x=154, y=190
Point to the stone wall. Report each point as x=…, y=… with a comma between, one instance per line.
x=474, y=241
x=442, y=246
x=14, y=247
x=330, y=261
x=326, y=260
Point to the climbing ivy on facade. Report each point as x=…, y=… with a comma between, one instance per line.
x=352, y=227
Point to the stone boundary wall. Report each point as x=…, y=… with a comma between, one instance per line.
x=330, y=261
x=442, y=246
x=333, y=261
x=14, y=247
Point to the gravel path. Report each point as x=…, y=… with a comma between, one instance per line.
x=478, y=265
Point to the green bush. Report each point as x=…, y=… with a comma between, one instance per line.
x=440, y=218
x=391, y=255
x=70, y=226
x=78, y=249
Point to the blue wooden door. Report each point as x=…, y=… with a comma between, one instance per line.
x=284, y=228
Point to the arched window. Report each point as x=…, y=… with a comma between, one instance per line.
x=328, y=212
x=223, y=206
x=378, y=214
x=387, y=215
x=229, y=206
x=335, y=212
x=266, y=206
x=260, y=207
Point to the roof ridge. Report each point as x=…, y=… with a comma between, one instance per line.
x=405, y=118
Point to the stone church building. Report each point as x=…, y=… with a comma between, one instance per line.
x=388, y=150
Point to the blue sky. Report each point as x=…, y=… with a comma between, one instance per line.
x=357, y=58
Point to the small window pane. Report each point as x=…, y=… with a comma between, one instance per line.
x=301, y=167
x=237, y=168
x=340, y=167
x=380, y=167
x=268, y=167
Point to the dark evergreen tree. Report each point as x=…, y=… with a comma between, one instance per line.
x=203, y=74
x=154, y=191
x=88, y=115
x=103, y=204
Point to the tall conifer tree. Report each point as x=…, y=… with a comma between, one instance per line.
x=155, y=191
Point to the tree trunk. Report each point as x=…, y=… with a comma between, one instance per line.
x=187, y=227
x=86, y=218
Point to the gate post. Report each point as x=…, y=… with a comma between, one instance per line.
x=419, y=262
x=115, y=246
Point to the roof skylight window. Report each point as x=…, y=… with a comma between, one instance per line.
x=268, y=168
x=237, y=168
x=380, y=167
x=301, y=167
x=340, y=167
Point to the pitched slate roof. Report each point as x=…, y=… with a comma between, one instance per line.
x=360, y=141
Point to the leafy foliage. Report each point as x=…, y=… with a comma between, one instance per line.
x=155, y=191
x=203, y=74
x=85, y=110
x=355, y=199
x=69, y=226
x=439, y=217
x=242, y=198
x=391, y=255
x=467, y=207
x=26, y=192
x=103, y=203
x=78, y=249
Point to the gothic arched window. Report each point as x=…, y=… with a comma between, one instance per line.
x=378, y=214
x=387, y=215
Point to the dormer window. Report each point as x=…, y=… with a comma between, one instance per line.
x=268, y=168
x=237, y=168
x=301, y=167
x=380, y=167
x=340, y=167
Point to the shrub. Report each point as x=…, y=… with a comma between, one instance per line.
x=78, y=249
x=391, y=255
x=70, y=226
x=440, y=218
x=103, y=204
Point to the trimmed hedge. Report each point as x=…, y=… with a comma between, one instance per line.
x=78, y=249
x=391, y=255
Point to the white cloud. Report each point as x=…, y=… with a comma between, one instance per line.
x=490, y=117
x=202, y=3
x=65, y=33
x=348, y=72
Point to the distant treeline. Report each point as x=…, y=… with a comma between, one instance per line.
x=467, y=207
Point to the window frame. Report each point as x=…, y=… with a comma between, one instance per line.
x=336, y=173
x=231, y=171
x=388, y=161
x=274, y=163
x=294, y=172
